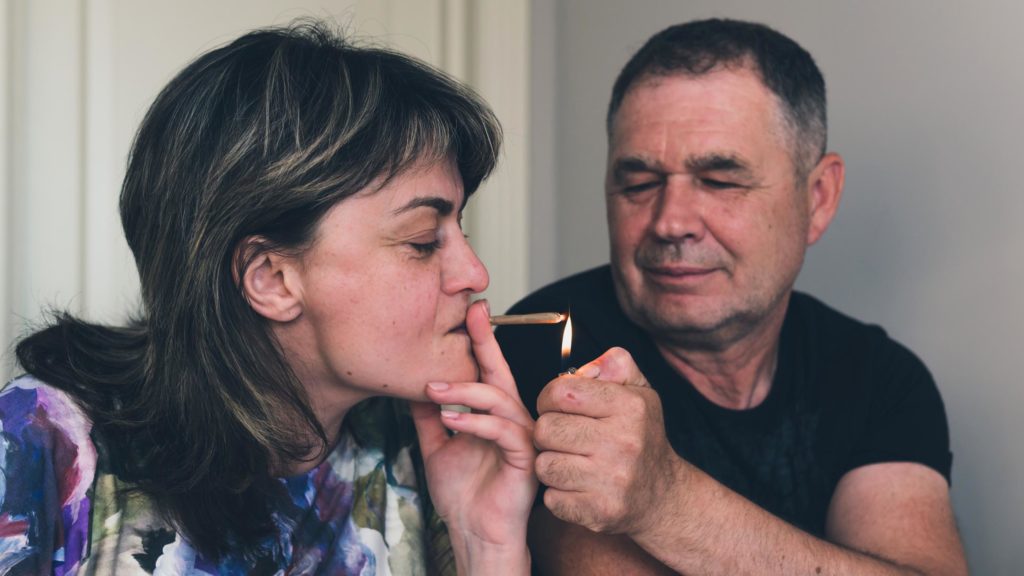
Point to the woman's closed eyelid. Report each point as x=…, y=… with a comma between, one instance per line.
x=426, y=248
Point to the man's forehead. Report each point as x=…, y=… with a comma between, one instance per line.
x=721, y=113
x=740, y=88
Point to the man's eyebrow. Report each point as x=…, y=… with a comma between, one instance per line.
x=630, y=165
x=444, y=207
x=718, y=163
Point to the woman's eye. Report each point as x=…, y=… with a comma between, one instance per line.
x=426, y=248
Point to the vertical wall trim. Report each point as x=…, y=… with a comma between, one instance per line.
x=83, y=137
x=6, y=188
x=455, y=38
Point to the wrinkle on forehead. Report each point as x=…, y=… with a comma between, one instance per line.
x=677, y=122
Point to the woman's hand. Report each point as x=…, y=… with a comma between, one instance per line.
x=482, y=479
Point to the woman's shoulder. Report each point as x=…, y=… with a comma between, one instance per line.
x=47, y=465
x=36, y=416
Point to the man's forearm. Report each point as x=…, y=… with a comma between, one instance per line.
x=714, y=531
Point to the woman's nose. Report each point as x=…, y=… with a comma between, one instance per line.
x=464, y=271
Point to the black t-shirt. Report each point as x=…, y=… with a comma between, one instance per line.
x=844, y=395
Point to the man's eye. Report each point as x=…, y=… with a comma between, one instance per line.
x=637, y=188
x=718, y=184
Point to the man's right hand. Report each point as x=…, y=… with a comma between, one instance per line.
x=603, y=451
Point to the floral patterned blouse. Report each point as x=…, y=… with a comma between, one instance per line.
x=63, y=513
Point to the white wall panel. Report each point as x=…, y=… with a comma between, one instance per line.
x=46, y=251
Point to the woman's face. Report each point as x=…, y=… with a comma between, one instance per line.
x=385, y=288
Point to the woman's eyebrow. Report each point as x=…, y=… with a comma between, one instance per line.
x=443, y=206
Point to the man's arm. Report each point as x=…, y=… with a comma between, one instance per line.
x=610, y=471
x=562, y=549
x=897, y=516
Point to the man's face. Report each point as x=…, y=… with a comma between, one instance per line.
x=708, y=225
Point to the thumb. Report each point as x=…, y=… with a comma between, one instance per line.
x=615, y=365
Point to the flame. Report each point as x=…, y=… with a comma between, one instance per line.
x=567, y=338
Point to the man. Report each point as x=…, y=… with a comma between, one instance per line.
x=733, y=426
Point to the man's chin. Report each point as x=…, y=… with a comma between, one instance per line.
x=673, y=322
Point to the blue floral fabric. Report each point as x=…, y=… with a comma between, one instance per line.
x=63, y=513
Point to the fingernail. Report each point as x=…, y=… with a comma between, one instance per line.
x=450, y=414
x=589, y=371
x=487, y=306
x=438, y=386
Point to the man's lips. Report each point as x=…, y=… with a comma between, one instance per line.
x=460, y=329
x=678, y=271
x=675, y=278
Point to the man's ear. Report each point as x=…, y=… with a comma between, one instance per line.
x=824, y=189
x=270, y=281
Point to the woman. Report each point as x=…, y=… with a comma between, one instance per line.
x=293, y=204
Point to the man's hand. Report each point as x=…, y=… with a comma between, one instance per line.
x=604, y=455
x=609, y=468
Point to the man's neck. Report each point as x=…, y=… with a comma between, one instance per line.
x=737, y=375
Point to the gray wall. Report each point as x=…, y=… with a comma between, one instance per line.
x=927, y=106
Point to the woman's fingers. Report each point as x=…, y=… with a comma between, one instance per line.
x=493, y=368
x=512, y=439
x=482, y=398
x=431, y=431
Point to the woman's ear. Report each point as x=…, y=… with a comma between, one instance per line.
x=270, y=281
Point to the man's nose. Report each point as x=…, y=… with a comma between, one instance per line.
x=679, y=213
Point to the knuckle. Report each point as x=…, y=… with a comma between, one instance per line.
x=562, y=507
x=635, y=404
x=542, y=430
x=542, y=465
x=620, y=354
x=620, y=480
x=631, y=447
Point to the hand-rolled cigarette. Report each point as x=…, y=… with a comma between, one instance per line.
x=537, y=318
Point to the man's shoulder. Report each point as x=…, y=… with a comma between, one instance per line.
x=825, y=325
x=838, y=339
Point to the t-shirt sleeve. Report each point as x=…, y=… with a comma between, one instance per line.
x=47, y=463
x=906, y=416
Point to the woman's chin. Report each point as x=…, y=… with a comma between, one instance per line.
x=457, y=370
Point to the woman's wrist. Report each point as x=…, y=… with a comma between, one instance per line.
x=475, y=556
